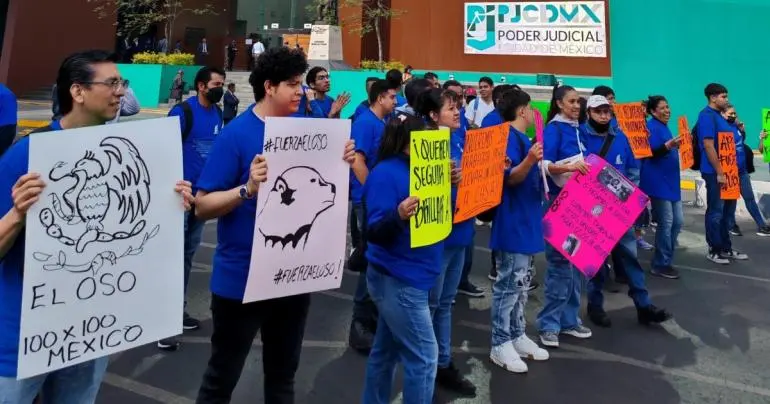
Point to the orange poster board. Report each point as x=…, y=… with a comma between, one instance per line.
x=731, y=189
x=686, y=157
x=632, y=122
x=483, y=166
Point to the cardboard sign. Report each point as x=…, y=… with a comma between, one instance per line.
x=430, y=180
x=632, y=122
x=483, y=166
x=766, y=128
x=686, y=156
x=300, y=231
x=731, y=189
x=591, y=214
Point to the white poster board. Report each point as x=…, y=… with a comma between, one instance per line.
x=302, y=209
x=103, y=258
x=325, y=43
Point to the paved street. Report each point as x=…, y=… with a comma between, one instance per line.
x=715, y=351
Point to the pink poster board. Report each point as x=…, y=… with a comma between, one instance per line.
x=539, y=125
x=591, y=214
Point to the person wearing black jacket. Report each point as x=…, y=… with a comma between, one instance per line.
x=230, y=102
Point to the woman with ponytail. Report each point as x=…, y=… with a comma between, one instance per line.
x=399, y=277
x=562, y=156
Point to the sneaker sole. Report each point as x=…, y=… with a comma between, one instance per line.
x=492, y=278
x=533, y=358
x=169, y=348
x=470, y=294
x=665, y=276
x=736, y=234
x=718, y=261
x=763, y=234
x=191, y=328
x=577, y=335
x=504, y=366
x=549, y=344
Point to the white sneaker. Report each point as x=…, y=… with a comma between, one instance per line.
x=526, y=348
x=507, y=358
x=479, y=222
x=717, y=259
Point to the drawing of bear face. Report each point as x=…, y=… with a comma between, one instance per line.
x=296, y=199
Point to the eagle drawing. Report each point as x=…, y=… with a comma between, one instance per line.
x=115, y=174
x=298, y=196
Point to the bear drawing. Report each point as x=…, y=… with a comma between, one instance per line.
x=294, y=202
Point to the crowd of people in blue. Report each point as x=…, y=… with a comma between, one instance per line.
x=402, y=310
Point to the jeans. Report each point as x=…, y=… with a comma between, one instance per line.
x=193, y=232
x=281, y=323
x=563, y=284
x=405, y=333
x=77, y=384
x=669, y=216
x=718, y=213
x=626, y=252
x=364, y=310
x=747, y=193
x=442, y=295
x=509, y=296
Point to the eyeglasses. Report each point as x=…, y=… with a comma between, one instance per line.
x=114, y=84
x=324, y=77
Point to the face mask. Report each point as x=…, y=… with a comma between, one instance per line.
x=598, y=127
x=731, y=119
x=215, y=95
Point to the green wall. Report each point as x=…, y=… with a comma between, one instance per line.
x=152, y=83
x=675, y=48
x=514, y=78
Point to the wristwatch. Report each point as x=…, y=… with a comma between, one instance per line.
x=243, y=192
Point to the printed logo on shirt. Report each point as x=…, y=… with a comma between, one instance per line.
x=216, y=129
x=618, y=160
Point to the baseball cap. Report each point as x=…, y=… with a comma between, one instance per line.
x=596, y=101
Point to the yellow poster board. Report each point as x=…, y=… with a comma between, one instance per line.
x=430, y=181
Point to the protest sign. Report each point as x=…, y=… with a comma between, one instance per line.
x=591, y=214
x=483, y=166
x=103, y=268
x=686, y=157
x=731, y=188
x=632, y=122
x=766, y=141
x=302, y=209
x=431, y=182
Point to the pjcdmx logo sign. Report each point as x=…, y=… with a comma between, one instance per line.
x=561, y=28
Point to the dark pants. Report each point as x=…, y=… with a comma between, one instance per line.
x=282, y=325
x=364, y=309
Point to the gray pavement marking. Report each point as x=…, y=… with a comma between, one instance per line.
x=145, y=390
x=593, y=354
x=146, y=364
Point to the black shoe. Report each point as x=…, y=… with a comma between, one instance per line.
x=189, y=323
x=361, y=337
x=736, y=231
x=169, y=344
x=492, y=274
x=666, y=272
x=469, y=289
x=599, y=317
x=533, y=285
x=652, y=315
x=763, y=231
x=450, y=379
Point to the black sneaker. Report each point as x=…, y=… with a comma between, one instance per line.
x=189, y=323
x=450, y=379
x=736, y=231
x=361, y=337
x=492, y=274
x=666, y=272
x=599, y=317
x=169, y=344
x=469, y=289
x=652, y=315
x=533, y=285
x=763, y=231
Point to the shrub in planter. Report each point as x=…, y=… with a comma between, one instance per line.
x=152, y=58
x=382, y=66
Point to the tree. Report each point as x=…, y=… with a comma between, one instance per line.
x=137, y=16
x=373, y=13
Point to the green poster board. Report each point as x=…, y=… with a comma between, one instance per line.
x=766, y=128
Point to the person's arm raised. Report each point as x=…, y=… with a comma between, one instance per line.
x=211, y=205
x=25, y=193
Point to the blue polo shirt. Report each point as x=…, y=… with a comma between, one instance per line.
x=518, y=224
x=207, y=124
x=463, y=232
x=619, y=154
x=228, y=167
x=660, y=176
x=710, y=123
x=560, y=141
x=367, y=132
x=13, y=165
x=493, y=118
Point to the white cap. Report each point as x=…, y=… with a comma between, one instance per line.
x=596, y=101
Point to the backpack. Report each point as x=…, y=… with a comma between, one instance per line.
x=696, y=151
x=188, y=118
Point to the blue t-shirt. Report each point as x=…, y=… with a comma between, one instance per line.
x=710, y=123
x=207, y=124
x=463, y=119
x=389, y=185
x=462, y=233
x=360, y=109
x=321, y=108
x=619, y=154
x=493, y=118
x=400, y=100
x=660, y=176
x=228, y=167
x=740, y=153
x=560, y=141
x=367, y=132
x=8, y=107
x=518, y=224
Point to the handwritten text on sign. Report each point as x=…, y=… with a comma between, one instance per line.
x=686, y=157
x=731, y=188
x=103, y=258
x=431, y=182
x=591, y=214
x=299, y=232
x=633, y=123
x=482, y=166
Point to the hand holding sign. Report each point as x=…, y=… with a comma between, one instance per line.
x=257, y=174
x=581, y=166
x=535, y=153
x=686, y=156
x=26, y=192
x=408, y=207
